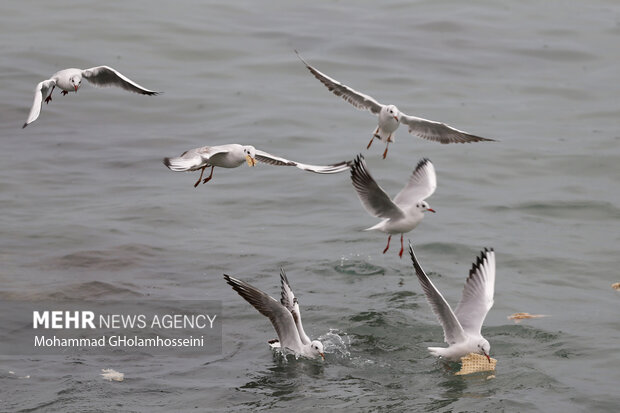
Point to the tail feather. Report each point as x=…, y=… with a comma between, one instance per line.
x=180, y=164
x=436, y=351
x=377, y=227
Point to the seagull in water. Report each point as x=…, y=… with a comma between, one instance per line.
x=286, y=323
x=70, y=80
x=390, y=117
x=462, y=327
x=406, y=211
x=234, y=155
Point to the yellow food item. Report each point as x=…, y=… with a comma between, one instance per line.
x=522, y=316
x=473, y=363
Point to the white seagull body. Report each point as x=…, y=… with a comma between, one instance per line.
x=70, y=80
x=291, y=303
x=462, y=328
x=406, y=211
x=281, y=318
x=390, y=117
x=234, y=155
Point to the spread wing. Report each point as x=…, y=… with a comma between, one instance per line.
x=291, y=303
x=478, y=293
x=193, y=159
x=357, y=99
x=287, y=297
x=279, y=316
x=373, y=198
x=104, y=76
x=421, y=185
x=452, y=329
x=437, y=131
x=270, y=159
x=40, y=92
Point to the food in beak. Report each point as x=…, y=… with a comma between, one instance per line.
x=251, y=161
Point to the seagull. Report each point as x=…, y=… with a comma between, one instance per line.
x=390, y=117
x=406, y=211
x=462, y=327
x=69, y=80
x=234, y=155
x=280, y=316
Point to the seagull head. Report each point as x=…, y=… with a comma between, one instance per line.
x=250, y=155
x=393, y=112
x=484, y=348
x=317, y=349
x=76, y=81
x=423, y=206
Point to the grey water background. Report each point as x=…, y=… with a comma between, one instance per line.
x=90, y=212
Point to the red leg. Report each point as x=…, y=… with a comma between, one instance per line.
x=389, y=139
x=49, y=98
x=400, y=254
x=201, y=172
x=208, y=178
x=388, y=246
x=373, y=138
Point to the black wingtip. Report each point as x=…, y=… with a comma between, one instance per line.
x=414, y=259
x=166, y=162
x=25, y=124
x=283, y=275
x=423, y=162
x=356, y=165
x=480, y=260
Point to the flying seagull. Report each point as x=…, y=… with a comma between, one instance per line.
x=406, y=211
x=69, y=80
x=390, y=117
x=281, y=318
x=234, y=155
x=462, y=327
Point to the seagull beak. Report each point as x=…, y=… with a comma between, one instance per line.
x=76, y=87
x=396, y=117
x=488, y=357
x=431, y=209
x=251, y=161
x=322, y=355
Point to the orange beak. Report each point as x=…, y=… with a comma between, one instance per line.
x=76, y=87
x=431, y=209
x=322, y=355
x=488, y=357
x=396, y=117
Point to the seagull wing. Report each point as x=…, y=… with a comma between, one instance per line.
x=41, y=91
x=357, y=99
x=437, y=131
x=421, y=185
x=270, y=159
x=287, y=297
x=291, y=303
x=452, y=329
x=373, y=198
x=194, y=159
x=478, y=293
x=280, y=317
x=104, y=76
